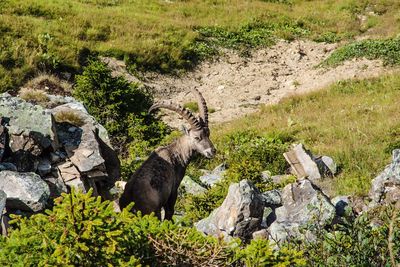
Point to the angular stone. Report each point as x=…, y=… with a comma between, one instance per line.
x=44, y=167
x=302, y=203
x=326, y=166
x=31, y=125
x=386, y=186
x=68, y=171
x=56, y=186
x=272, y=198
x=215, y=176
x=25, y=191
x=239, y=215
x=3, y=198
x=191, y=187
x=302, y=163
x=260, y=234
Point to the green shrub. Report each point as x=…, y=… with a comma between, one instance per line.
x=259, y=253
x=363, y=241
x=83, y=231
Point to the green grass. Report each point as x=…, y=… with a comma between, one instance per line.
x=388, y=50
x=355, y=122
x=169, y=36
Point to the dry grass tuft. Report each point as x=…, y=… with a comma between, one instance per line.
x=37, y=97
x=70, y=117
x=50, y=84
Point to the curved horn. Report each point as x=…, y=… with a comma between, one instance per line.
x=203, y=110
x=180, y=110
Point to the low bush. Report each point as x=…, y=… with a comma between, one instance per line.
x=372, y=239
x=83, y=231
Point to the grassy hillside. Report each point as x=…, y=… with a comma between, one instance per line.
x=47, y=35
x=355, y=122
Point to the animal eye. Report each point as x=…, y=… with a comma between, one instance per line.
x=197, y=138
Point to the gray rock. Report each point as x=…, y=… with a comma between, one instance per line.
x=25, y=191
x=88, y=156
x=215, y=176
x=191, y=187
x=44, y=167
x=326, y=165
x=272, y=198
x=386, y=186
x=302, y=163
x=31, y=127
x=302, y=204
x=239, y=215
x=68, y=172
x=260, y=234
x=56, y=186
x=3, y=198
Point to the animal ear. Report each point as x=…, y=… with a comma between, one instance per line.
x=184, y=130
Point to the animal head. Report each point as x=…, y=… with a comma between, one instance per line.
x=198, y=135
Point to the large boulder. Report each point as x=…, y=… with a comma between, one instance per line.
x=239, y=215
x=25, y=191
x=302, y=204
x=31, y=129
x=386, y=186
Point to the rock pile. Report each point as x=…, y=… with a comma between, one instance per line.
x=40, y=157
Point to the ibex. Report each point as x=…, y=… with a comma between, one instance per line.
x=155, y=184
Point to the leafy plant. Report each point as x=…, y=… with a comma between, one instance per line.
x=368, y=240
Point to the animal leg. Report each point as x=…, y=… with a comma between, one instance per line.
x=170, y=206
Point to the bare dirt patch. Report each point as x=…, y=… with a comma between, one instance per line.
x=234, y=86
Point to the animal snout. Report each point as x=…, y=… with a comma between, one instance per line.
x=210, y=152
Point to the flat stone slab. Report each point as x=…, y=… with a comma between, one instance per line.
x=302, y=163
x=25, y=191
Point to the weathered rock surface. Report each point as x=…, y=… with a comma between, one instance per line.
x=386, y=186
x=3, y=198
x=25, y=191
x=215, y=176
x=272, y=198
x=191, y=187
x=305, y=165
x=302, y=163
x=31, y=127
x=239, y=215
x=326, y=166
x=302, y=204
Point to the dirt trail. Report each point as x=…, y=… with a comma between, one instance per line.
x=235, y=86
